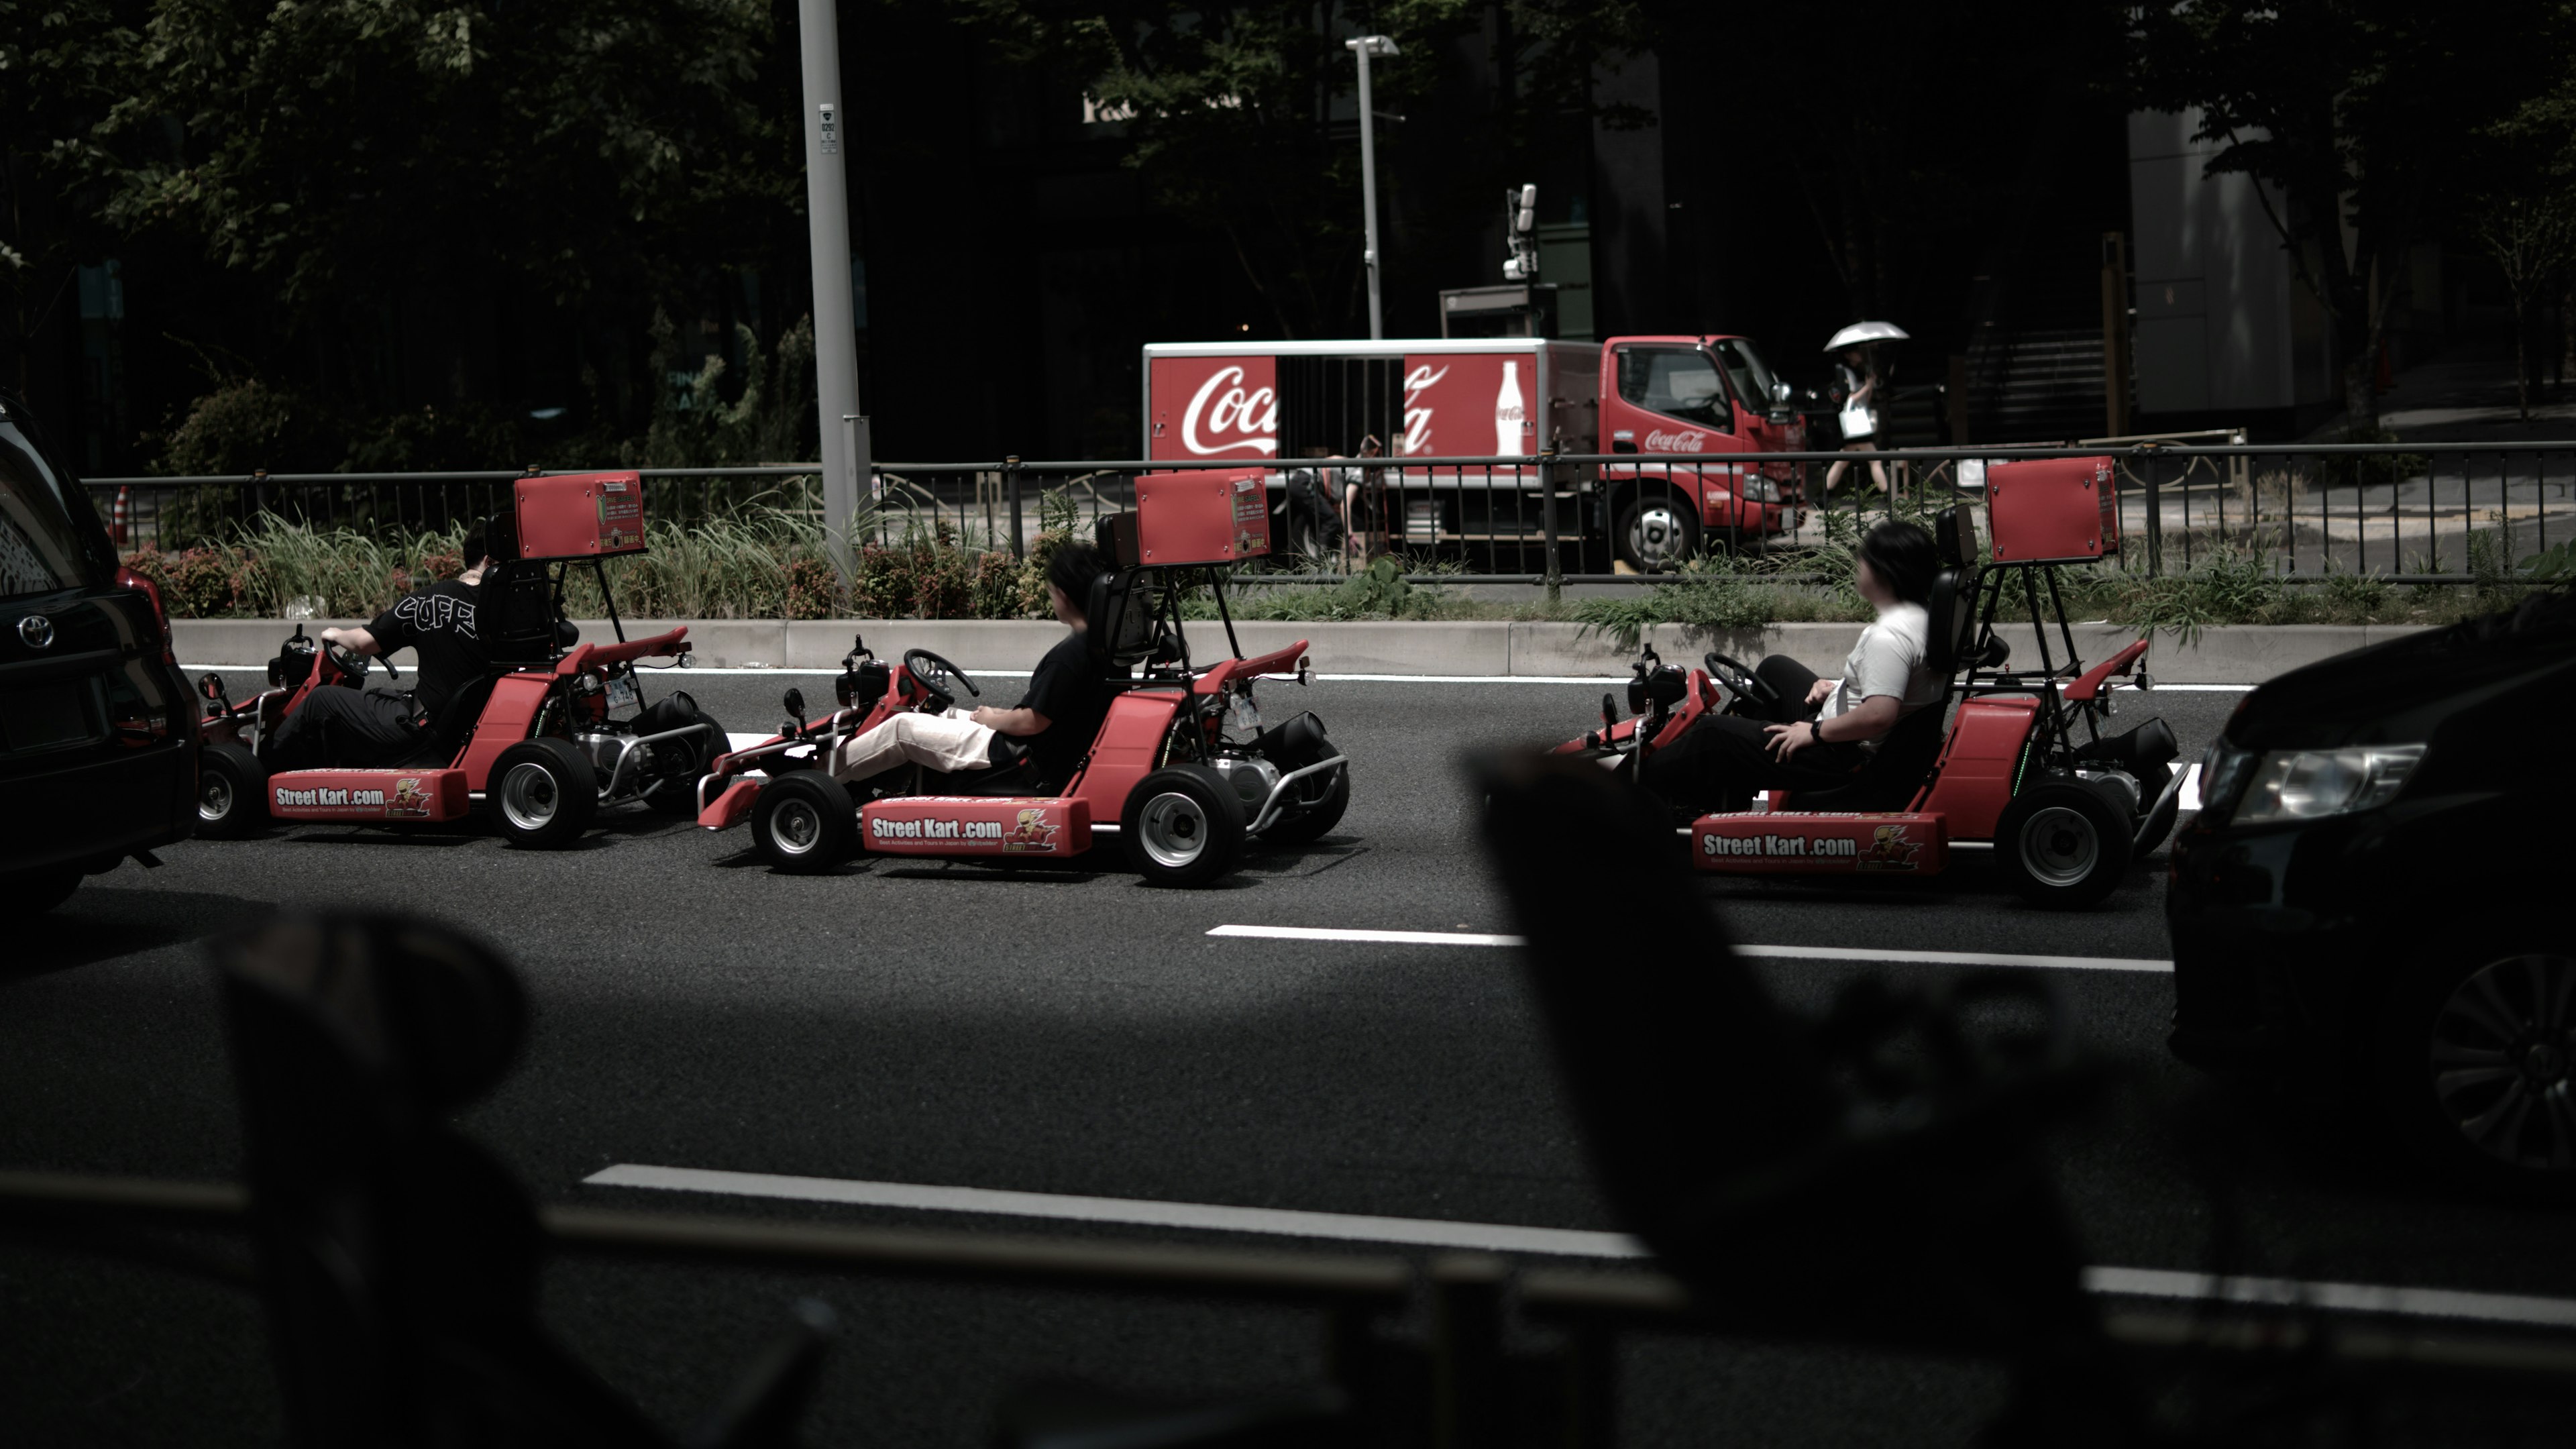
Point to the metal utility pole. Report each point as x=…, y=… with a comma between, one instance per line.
x=827, y=220
x=1364, y=47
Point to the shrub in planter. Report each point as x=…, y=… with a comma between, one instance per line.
x=994, y=588
x=813, y=590
x=881, y=582
x=942, y=583
x=212, y=583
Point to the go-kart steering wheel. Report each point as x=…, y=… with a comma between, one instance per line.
x=1739, y=680
x=353, y=665
x=938, y=678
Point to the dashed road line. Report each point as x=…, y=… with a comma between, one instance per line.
x=1799, y=953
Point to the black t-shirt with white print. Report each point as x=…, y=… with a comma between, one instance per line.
x=437, y=624
x=1070, y=690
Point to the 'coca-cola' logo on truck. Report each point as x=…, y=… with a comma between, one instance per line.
x=1688, y=440
x=1417, y=420
x=1228, y=407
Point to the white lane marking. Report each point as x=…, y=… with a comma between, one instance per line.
x=1392, y=938
x=2378, y=1298
x=1349, y=1227
x=1800, y=953
x=2188, y=798
x=2365, y=1298
x=651, y=671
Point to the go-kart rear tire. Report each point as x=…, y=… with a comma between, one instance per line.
x=543, y=793
x=676, y=791
x=1183, y=826
x=232, y=792
x=1307, y=825
x=2063, y=844
x=803, y=823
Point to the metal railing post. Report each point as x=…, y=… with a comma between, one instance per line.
x=2155, y=516
x=1011, y=480
x=1546, y=464
x=1467, y=1349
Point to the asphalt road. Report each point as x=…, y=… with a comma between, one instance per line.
x=1073, y=1032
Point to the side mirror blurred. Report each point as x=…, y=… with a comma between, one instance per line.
x=1780, y=393
x=795, y=702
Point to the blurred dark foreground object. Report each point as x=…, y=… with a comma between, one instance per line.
x=398, y=1260
x=1875, y=1176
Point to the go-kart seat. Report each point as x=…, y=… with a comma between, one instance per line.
x=1906, y=756
x=517, y=612
x=448, y=733
x=1118, y=620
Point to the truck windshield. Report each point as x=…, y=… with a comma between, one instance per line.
x=1745, y=369
x=1675, y=381
x=41, y=549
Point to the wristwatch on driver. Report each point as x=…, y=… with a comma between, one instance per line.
x=1815, y=731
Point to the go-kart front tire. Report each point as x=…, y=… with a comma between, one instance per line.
x=803, y=823
x=2063, y=844
x=543, y=793
x=232, y=792
x=1183, y=826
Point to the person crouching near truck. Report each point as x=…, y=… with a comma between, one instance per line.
x=1057, y=719
x=1818, y=732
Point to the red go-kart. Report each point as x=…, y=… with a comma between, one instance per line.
x=1181, y=772
x=2021, y=765
x=545, y=738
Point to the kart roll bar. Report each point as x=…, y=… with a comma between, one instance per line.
x=584, y=656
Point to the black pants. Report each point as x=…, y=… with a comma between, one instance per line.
x=1720, y=762
x=340, y=726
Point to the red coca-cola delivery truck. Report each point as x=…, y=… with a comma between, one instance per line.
x=1678, y=399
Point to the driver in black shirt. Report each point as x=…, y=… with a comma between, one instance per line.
x=344, y=727
x=1058, y=718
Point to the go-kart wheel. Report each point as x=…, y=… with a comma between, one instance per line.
x=1304, y=823
x=1183, y=826
x=232, y=792
x=804, y=824
x=2472, y=1059
x=2063, y=844
x=679, y=764
x=543, y=793
x=37, y=892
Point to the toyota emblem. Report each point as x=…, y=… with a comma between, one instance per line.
x=37, y=630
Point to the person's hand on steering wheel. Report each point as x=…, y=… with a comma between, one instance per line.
x=352, y=664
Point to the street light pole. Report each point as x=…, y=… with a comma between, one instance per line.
x=1364, y=47
x=827, y=220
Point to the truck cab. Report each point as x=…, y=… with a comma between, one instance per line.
x=1684, y=405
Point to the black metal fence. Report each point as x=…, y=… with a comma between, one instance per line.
x=2420, y=512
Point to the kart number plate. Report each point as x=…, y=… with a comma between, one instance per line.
x=621, y=692
x=1247, y=715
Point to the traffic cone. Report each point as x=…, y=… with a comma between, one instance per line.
x=117, y=524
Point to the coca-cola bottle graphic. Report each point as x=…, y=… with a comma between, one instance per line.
x=1509, y=410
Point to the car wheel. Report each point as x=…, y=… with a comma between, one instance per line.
x=803, y=823
x=1183, y=826
x=232, y=792
x=1308, y=817
x=679, y=764
x=2476, y=1066
x=37, y=892
x=543, y=793
x=1657, y=531
x=2063, y=844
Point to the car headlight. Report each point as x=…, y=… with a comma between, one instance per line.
x=1761, y=490
x=2310, y=784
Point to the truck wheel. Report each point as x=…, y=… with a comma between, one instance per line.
x=2474, y=1059
x=232, y=792
x=804, y=824
x=2063, y=844
x=544, y=793
x=1183, y=826
x=680, y=763
x=1657, y=531
x=1304, y=823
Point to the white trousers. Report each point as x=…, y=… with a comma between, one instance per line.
x=950, y=741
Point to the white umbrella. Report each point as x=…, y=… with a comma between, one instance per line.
x=1860, y=332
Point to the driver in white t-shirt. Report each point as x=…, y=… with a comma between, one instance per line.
x=1818, y=731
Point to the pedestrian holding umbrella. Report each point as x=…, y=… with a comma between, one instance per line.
x=1857, y=379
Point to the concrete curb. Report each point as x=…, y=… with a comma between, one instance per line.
x=2237, y=654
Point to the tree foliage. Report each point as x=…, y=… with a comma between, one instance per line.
x=2361, y=119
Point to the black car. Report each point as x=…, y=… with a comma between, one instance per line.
x=2372, y=889
x=98, y=728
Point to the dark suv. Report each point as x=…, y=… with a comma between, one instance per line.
x=2374, y=888
x=98, y=729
